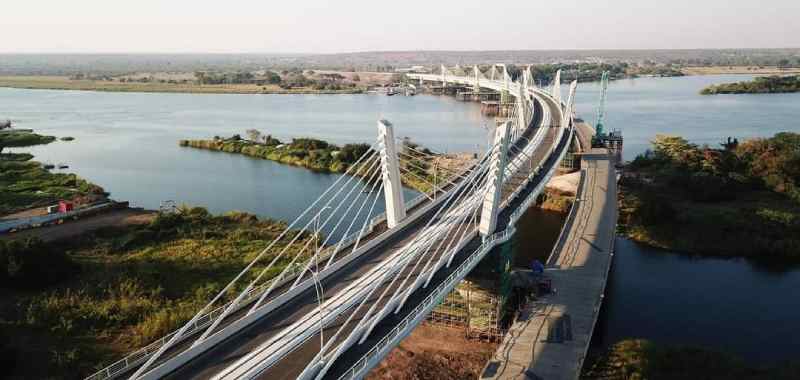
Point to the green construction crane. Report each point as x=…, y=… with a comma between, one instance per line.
x=601, y=110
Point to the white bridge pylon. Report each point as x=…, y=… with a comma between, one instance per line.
x=390, y=167
x=469, y=206
x=497, y=167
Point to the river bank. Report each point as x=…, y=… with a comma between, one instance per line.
x=760, y=85
x=27, y=184
x=105, y=293
x=66, y=83
x=642, y=359
x=421, y=169
x=741, y=200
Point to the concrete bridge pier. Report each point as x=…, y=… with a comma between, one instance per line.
x=390, y=167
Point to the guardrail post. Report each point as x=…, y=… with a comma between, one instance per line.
x=392, y=187
x=497, y=167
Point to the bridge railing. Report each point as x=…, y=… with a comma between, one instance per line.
x=419, y=312
x=141, y=355
x=391, y=339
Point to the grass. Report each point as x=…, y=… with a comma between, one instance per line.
x=641, y=359
x=65, y=83
x=25, y=184
x=129, y=287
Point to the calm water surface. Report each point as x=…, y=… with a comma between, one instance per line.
x=643, y=107
x=128, y=144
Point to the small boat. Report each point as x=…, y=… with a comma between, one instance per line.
x=48, y=166
x=63, y=166
x=390, y=92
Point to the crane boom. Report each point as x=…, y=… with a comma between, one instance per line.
x=601, y=110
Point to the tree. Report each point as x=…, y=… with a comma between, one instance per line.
x=201, y=77
x=254, y=135
x=783, y=63
x=356, y=78
x=272, y=77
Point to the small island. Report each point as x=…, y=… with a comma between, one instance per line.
x=309, y=153
x=742, y=199
x=761, y=85
x=421, y=169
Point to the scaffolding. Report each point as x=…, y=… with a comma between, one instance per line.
x=473, y=308
x=479, y=305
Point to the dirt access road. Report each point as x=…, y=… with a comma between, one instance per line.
x=111, y=218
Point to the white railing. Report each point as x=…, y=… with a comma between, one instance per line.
x=398, y=332
x=140, y=356
x=377, y=352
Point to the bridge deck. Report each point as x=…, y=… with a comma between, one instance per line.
x=267, y=334
x=356, y=352
x=550, y=338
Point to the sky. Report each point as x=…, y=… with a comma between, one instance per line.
x=318, y=26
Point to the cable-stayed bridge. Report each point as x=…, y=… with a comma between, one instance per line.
x=312, y=307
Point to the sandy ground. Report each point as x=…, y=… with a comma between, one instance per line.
x=567, y=183
x=754, y=70
x=434, y=352
x=115, y=218
x=38, y=211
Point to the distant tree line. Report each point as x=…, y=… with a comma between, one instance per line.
x=760, y=85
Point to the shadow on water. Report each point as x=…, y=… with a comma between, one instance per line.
x=741, y=306
x=537, y=232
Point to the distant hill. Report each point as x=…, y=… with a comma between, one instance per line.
x=115, y=64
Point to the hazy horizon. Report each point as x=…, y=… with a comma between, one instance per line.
x=350, y=26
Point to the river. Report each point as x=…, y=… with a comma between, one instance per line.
x=127, y=143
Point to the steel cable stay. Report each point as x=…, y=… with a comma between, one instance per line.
x=180, y=332
x=436, y=233
x=407, y=256
x=482, y=182
x=275, y=280
x=247, y=366
x=367, y=218
x=333, y=213
x=409, y=160
x=478, y=200
x=252, y=284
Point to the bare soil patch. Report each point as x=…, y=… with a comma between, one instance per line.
x=435, y=352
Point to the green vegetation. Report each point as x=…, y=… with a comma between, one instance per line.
x=419, y=171
x=124, y=84
x=25, y=184
x=305, y=152
x=743, y=199
x=761, y=85
x=70, y=306
x=555, y=200
x=22, y=139
x=641, y=359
